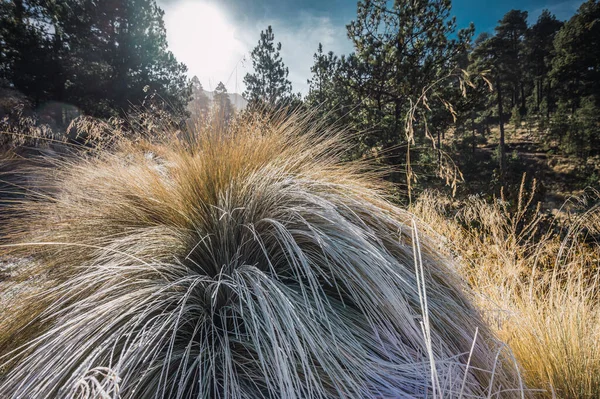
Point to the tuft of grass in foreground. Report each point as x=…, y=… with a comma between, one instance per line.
x=536, y=279
x=237, y=261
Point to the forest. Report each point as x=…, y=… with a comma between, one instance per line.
x=436, y=103
x=488, y=145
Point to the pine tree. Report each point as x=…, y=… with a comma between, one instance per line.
x=323, y=71
x=26, y=57
x=327, y=93
x=200, y=103
x=576, y=66
x=222, y=103
x=488, y=57
x=103, y=56
x=332, y=98
x=539, y=50
x=401, y=48
x=268, y=84
x=510, y=32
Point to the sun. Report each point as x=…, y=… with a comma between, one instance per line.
x=201, y=36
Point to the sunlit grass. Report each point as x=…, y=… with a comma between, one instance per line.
x=536, y=280
x=236, y=260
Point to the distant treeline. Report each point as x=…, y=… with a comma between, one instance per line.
x=412, y=75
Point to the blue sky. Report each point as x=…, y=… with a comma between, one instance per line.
x=485, y=14
x=214, y=37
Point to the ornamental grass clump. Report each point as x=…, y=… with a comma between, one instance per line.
x=244, y=260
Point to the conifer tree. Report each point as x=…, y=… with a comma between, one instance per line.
x=103, y=56
x=222, y=103
x=200, y=103
x=576, y=67
x=26, y=58
x=401, y=49
x=510, y=35
x=489, y=57
x=539, y=50
x=268, y=84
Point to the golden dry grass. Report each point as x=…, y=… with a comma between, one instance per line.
x=536, y=280
x=238, y=261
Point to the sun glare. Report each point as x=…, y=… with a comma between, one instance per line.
x=201, y=37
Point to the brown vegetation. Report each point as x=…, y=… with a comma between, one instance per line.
x=536, y=279
x=244, y=261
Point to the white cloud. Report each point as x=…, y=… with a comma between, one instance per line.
x=216, y=48
x=206, y=39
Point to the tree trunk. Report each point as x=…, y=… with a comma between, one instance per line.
x=540, y=92
x=396, y=117
x=439, y=148
x=502, y=160
x=548, y=100
x=474, y=131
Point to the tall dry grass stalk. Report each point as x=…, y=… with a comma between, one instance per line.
x=237, y=262
x=537, y=281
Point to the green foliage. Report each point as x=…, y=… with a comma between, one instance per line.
x=268, y=84
x=328, y=93
x=490, y=57
x=576, y=67
x=26, y=59
x=402, y=89
x=539, y=50
x=402, y=50
x=322, y=85
x=398, y=88
x=510, y=33
x=102, y=57
x=578, y=132
x=515, y=117
x=560, y=124
x=544, y=75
